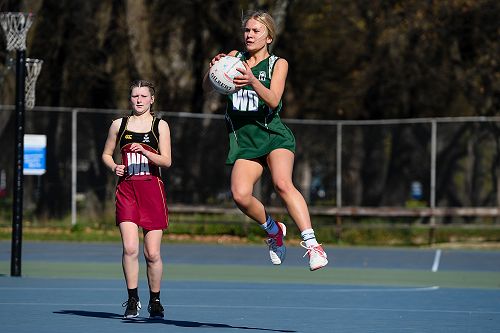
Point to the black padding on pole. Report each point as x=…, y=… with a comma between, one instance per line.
x=17, y=206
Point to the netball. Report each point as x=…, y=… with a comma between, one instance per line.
x=223, y=72
x=327, y=161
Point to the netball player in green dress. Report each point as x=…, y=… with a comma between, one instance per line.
x=259, y=139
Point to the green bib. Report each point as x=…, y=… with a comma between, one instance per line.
x=254, y=128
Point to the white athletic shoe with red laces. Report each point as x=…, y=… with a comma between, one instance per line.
x=277, y=249
x=317, y=256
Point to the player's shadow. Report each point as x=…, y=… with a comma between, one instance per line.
x=179, y=323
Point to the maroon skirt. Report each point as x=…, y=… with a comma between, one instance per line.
x=143, y=202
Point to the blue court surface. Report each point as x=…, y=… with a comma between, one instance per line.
x=74, y=287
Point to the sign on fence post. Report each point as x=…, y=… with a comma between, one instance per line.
x=35, y=147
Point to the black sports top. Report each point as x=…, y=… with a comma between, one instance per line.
x=137, y=165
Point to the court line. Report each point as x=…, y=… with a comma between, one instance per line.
x=270, y=307
x=266, y=290
x=437, y=258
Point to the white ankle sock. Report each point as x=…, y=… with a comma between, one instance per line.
x=308, y=237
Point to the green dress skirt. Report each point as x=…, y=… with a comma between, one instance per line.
x=252, y=139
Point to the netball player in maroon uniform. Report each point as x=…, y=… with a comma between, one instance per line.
x=144, y=143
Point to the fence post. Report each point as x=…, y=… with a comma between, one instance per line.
x=432, y=223
x=74, y=135
x=339, y=181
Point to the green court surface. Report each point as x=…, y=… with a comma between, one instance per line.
x=240, y=273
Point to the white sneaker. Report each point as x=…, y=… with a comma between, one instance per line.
x=317, y=256
x=277, y=249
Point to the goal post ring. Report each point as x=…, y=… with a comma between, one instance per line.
x=33, y=69
x=15, y=26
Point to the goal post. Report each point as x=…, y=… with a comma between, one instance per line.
x=15, y=27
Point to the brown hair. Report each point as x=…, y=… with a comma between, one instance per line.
x=143, y=83
x=264, y=18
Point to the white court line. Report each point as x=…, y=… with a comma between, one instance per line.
x=437, y=258
x=264, y=290
x=270, y=307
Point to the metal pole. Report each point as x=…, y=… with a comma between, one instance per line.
x=339, y=182
x=339, y=165
x=74, y=114
x=17, y=206
x=433, y=163
x=433, y=180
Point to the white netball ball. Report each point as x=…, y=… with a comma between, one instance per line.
x=222, y=73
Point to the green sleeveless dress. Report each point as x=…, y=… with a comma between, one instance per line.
x=254, y=129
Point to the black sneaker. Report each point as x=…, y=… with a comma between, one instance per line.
x=133, y=305
x=155, y=309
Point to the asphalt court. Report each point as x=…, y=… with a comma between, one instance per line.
x=213, y=288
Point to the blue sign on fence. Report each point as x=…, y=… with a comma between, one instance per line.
x=35, y=147
x=417, y=191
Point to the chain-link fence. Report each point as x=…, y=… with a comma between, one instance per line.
x=393, y=165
